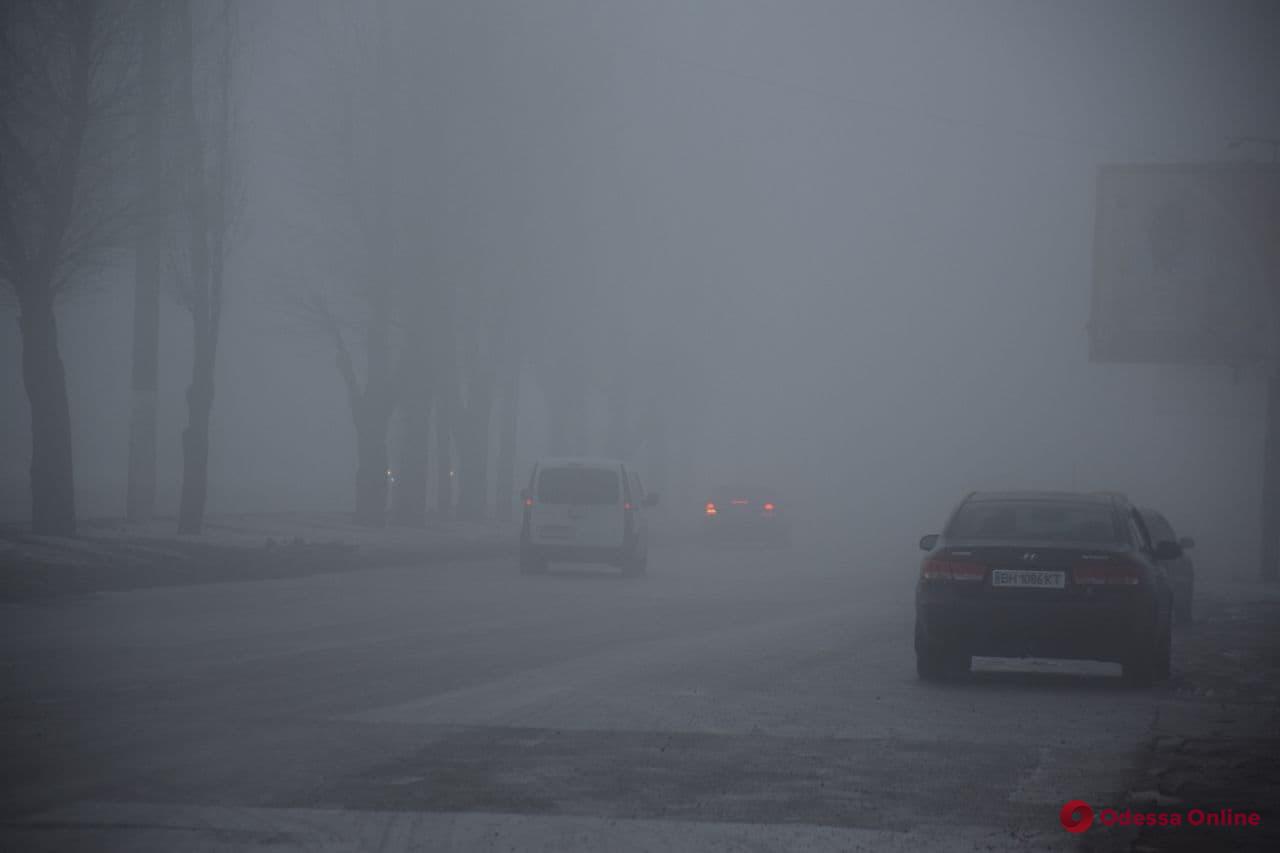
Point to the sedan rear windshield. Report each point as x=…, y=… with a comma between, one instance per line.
x=742, y=493
x=1035, y=520
x=578, y=486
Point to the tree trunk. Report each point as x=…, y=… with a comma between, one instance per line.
x=442, y=417
x=559, y=417
x=410, y=502
x=140, y=499
x=505, y=488
x=195, y=446
x=619, y=433
x=371, y=464
x=473, y=446
x=53, y=505
x=446, y=404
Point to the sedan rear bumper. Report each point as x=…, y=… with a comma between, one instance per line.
x=746, y=526
x=1060, y=629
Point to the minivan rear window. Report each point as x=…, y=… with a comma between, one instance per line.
x=578, y=486
x=1035, y=520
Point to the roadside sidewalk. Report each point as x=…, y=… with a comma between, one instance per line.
x=1216, y=736
x=115, y=555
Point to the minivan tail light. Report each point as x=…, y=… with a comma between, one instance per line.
x=711, y=508
x=528, y=502
x=769, y=507
x=935, y=569
x=1107, y=574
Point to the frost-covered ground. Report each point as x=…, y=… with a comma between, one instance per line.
x=732, y=699
x=113, y=554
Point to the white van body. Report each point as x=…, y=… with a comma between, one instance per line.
x=585, y=510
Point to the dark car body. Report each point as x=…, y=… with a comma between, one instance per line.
x=1043, y=574
x=1182, y=571
x=745, y=513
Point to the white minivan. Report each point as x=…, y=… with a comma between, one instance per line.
x=581, y=510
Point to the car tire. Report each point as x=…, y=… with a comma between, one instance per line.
x=636, y=563
x=1182, y=608
x=532, y=563
x=1138, y=671
x=1164, y=655
x=1152, y=664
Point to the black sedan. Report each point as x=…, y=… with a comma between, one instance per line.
x=1044, y=574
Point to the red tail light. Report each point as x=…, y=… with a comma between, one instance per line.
x=1109, y=573
x=935, y=569
x=711, y=508
x=528, y=502
x=628, y=506
x=768, y=507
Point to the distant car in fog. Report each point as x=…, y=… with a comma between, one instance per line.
x=746, y=513
x=1045, y=574
x=1182, y=571
x=582, y=510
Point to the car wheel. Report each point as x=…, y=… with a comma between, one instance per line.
x=1164, y=655
x=636, y=563
x=1182, y=608
x=532, y=563
x=1138, y=671
x=1144, y=668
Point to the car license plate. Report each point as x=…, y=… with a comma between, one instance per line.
x=555, y=531
x=1028, y=578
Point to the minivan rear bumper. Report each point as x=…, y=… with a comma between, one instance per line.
x=579, y=553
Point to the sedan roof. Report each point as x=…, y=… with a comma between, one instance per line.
x=1060, y=497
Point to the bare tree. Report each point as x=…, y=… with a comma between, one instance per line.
x=157, y=196
x=206, y=84
x=66, y=73
x=419, y=382
x=480, y=326
x=446, y=404
x=510, y=359
x=356, y=138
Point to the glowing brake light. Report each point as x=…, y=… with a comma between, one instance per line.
x=769, y=507
x=528, y=502
x=935, y=569
x=711, y=508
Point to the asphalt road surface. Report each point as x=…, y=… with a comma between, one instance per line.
x=732, y=699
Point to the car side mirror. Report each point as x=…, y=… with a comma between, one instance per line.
x=650, y=499
x=1168, y=551
x=1187, y=543
x=928, y=543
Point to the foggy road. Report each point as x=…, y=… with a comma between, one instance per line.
x=732, y=697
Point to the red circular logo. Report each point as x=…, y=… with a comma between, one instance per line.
x=1076, y=816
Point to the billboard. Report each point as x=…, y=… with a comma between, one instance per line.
x=1186, y=264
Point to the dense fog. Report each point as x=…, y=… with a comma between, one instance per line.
x=843, y=249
